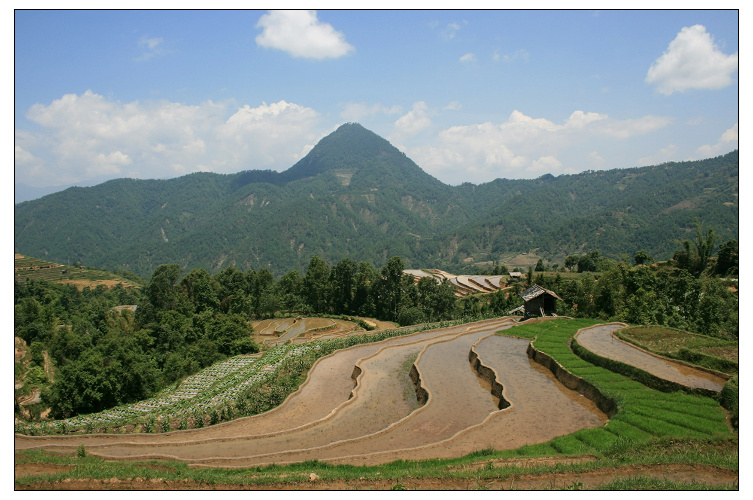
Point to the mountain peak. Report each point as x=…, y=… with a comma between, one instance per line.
x=352, y=148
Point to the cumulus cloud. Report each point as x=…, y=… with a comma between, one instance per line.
x=692, y=61
x=727, y=142
x=87, y=136
x=411, y=123
x=623, y=129
x=522, y=146
x=301, y=34
x=469, y=57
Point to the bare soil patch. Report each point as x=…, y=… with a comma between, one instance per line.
x=81, y=284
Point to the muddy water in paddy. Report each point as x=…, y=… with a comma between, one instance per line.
x=380, y=423
x=328, y=386
x=541, y=408
x=600, y=341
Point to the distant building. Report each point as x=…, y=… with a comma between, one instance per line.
x=538, y=302
x=515, y=276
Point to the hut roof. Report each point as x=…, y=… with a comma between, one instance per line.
x=534, y=291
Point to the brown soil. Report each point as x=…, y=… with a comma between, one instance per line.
x=601, y=341
x=361, y=417
x=687, y=473
x=81, y=284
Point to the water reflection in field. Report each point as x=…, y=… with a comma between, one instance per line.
x=600, y=341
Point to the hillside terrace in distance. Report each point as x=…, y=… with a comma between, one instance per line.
x=465, y=284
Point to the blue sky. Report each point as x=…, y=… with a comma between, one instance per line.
x=470, y=96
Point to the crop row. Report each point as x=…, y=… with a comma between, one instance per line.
x=641, y=412
x=210, y=391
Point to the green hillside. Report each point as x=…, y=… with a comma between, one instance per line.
x=355, y=195
x=28, y=268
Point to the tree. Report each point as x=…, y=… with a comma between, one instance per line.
x=316, y=285
x=642, y=257
x=727, y=261
x=344, y=285
x=694, y=255
x=571, y=261
x=387, y=289
x=162, y=294
x=363, y=302
x=202, y=290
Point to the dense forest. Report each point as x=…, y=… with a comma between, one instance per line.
x=187, y=320
x=355, y=196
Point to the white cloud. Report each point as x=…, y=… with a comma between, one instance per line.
x=666, y=154
x=692, y=61
x=263, y=134
x=87, y=136
x=469, y=57
x=728, y=141
x=623, y=129
x=594, y=161
x=411, y=123
x=153, y=47
x=301, y=34
x=522, y=146
x=520, y=54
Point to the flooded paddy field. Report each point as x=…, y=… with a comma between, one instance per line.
x=600, y=341
x=433, y=394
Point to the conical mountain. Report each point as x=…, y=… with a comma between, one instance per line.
x=355, y=195
x=351, y=152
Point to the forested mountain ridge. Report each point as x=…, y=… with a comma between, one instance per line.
x=355, y=195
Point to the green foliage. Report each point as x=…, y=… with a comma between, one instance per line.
x=641, y=412
x=727, y=263
x=356, y=196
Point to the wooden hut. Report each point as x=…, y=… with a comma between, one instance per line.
x=538, y=302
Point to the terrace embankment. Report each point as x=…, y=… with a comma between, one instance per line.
x=540, y=407
x=600, y=341
x=328, y=386
x=328, y=419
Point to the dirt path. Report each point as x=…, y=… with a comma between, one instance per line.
x=688, y=473
x=600, y=341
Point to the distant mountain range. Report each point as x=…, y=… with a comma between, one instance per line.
x=355, y=195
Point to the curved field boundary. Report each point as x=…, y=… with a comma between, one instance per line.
x=378, y=438
x=573, y=382
x=641, y=412
x=489, y=374
x=315, y=453
x=641, y=368
x=502, y=429
x=275, y=418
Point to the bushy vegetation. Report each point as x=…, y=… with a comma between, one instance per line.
x=185, y=322
x=356, y=196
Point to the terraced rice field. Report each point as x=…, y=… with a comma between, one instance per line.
x=600, y=341
x=469, y=389
x=464, y=284
x=276, y=332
